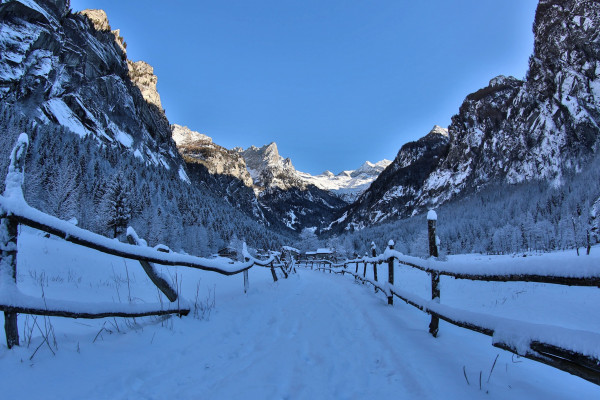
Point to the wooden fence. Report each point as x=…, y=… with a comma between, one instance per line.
x=565, y=355
x=14, y=211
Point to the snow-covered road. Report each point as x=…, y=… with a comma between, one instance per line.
x=314, y=336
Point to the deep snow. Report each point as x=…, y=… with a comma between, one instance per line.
x=315, y=335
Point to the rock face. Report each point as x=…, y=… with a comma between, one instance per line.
x=142, y=74
x=269, y=170
x=99, y=19
x=510, y=131
x=521, y=131
x=197, y=148
x=100, y=139
x=72, y=70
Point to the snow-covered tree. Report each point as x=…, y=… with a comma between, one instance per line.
x=116, y=204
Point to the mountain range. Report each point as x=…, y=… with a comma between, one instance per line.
x=280, y=194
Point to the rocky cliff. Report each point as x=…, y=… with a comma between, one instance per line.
x=98, y=132
x=71, y=69
x=197, y=148
x=269, y=170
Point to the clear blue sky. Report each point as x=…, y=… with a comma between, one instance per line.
x=333, y=82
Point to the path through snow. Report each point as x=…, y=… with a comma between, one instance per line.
x=313, y=336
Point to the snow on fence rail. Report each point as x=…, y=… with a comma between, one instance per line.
x=14, y=210
x=574, y=351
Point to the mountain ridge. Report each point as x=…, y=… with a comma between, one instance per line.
x=266, y=168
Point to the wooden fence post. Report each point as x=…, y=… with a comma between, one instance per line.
x=9, y=270
x=273, y=272
x=374, y=254
x=150, y=270
x=9, y=230
x=435, y=277
x=246, y=278
x=391, y=273
x=285, y=274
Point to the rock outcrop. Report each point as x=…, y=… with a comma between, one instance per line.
x=197, y=148
x=142, y=74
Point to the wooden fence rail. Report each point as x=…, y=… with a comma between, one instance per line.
x=572, y=360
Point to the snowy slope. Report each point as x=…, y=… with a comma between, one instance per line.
x=315, y=335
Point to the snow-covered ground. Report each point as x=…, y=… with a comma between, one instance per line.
x=315, y=335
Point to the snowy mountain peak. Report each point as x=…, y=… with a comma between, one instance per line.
x=511, y=131
x=269, y=169
x=371, y=169
x=438, y=130
x=271, y=147
x=347, y=184
x=183, y=136
x=501, y=80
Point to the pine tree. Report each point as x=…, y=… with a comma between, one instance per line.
x=116, y=204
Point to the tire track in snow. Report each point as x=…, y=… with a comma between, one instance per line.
x=365, y=306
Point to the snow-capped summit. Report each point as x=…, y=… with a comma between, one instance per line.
x=269, y=169
x=438, y=130
x=370, y=169
x=347, y=184
x=282, y=192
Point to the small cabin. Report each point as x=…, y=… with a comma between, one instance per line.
x=228, y=252
x=320, y=254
